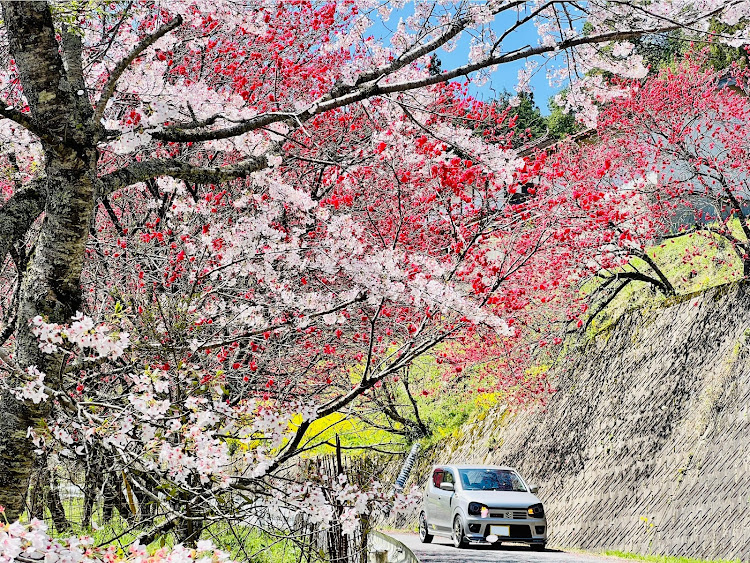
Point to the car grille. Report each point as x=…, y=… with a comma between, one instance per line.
x=501, y=513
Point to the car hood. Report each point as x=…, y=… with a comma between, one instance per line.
x=501, y=499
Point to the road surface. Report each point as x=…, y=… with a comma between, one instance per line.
x=442, y=551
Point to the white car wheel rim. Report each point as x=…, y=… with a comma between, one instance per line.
x=457, y=532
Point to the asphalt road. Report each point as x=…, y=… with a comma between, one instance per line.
x=441, y=551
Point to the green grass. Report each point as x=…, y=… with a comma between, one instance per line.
x=664, y=558
x=448, y=405
x=693, y=262
x=244, y=543
x=116, y=531
x=249, y=544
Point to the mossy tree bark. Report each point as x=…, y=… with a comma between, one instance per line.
x=61, y=116
x=50, y=284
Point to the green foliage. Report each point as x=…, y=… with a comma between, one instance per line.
x=530, y=124
x=663, y=558
x=666, y=50
x=660, y=50
x=69, y=13
x=720, y=55
x=561, y=124
x=247, y=543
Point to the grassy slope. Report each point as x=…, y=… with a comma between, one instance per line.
x=448, y=405
x=693, y=262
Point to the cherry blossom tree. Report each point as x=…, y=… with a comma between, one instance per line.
x=223, y=222
x=611, y=211
x=668, y=158
x=686, y=128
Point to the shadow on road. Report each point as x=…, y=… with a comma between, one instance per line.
x=442, y=551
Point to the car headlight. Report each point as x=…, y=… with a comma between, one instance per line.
x=536, y=511
x=475, y=508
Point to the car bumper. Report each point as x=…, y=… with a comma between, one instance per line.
x=529, y=530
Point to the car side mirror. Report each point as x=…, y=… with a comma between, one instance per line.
x=534, y=489
x=447, y=486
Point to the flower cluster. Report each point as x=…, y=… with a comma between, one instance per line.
x=31, y=540
x=83, y=334
x=347, y=502
x=32, y=390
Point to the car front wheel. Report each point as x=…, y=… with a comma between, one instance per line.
x=459, y=540
x=424, y=535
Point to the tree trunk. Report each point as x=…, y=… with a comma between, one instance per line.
x=114, y=498
x=35, y=504
x=91, y=486
x=50, y=287
x=54, y=502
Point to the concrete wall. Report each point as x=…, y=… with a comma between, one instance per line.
x=646, y=446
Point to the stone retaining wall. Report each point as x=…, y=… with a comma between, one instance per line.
x=646, y=446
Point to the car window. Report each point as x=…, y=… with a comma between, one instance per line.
x=437, y=477
x=491, y=480
x=448, y=477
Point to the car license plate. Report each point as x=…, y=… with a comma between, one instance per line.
x=500, y=530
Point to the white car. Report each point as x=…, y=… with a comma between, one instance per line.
x=481, y=503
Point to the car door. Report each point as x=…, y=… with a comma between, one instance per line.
x=443, y=521
x=433, y=498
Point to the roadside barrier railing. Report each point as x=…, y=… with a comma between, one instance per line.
x=385, y=549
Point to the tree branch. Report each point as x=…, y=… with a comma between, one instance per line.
x=118, y=71
x=25, y=120
x=641, y=277
x=34, y=47
x=607, y=301
x=149, y=169
x=18, y=213
x=372, y=88
x=666, y=286
x=522, y=53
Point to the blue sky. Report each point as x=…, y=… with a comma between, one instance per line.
x=506, y=76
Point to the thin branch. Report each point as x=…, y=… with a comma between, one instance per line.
x=606, y=302
x=113, y=216
x=137, y=51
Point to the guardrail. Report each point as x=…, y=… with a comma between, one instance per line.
x=385, y=549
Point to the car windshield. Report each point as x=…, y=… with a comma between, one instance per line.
x=491, y=480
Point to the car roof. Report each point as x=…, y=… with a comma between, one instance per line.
x=473, y=466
